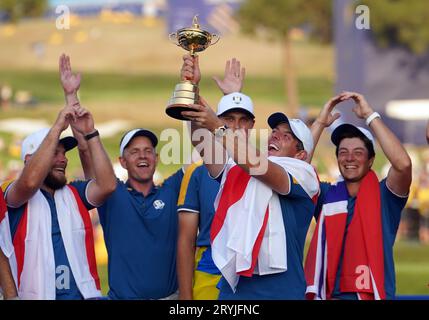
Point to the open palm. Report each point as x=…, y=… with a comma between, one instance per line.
x=69, y=81
x=233, y=77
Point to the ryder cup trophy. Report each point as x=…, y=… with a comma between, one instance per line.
x=194, y=40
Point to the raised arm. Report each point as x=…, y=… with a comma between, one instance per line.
x=235, y=143
x=69, y=81
x=208, y=147
x=324, y=120
x=190, y=69
x=232, y=81
x=233, y=77
x=211, y=151
x=38, y=165
x=104, y=181
x=399, y=176
x=71, y=84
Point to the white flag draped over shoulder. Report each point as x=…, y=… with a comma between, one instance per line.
x=247, y=232
x=31, y=253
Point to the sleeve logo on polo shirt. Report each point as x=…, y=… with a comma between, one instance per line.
x=158, y=204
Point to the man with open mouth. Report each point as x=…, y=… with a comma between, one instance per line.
x=50, y=246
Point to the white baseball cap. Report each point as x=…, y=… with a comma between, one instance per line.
x=126, y=139
x=235, y=101
x=32, y=142
x=298, y=127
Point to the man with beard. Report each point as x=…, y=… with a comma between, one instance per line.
x=357, y=217
x=53, y=250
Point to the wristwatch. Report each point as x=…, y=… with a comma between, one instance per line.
x=92, y=135
x=220, y=132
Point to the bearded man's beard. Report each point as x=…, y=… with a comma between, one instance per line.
x=54, y=182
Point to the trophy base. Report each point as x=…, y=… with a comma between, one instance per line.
x=175, y=111
x=184, y=94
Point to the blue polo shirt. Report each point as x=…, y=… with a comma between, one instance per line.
x=141, y=237
x=197, y=194
x=64, y=291
x=297, y=209
x=391, y=208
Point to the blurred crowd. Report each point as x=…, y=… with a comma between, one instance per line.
x=415, y=218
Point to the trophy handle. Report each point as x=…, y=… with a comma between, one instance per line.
x=173, y=38
x=216, y=37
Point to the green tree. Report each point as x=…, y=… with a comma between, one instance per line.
x=275, y=19
x=17, y=9
x=400, y=23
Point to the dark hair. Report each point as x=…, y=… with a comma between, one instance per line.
x=299, y=146
x=246, y=113
x=368, y=144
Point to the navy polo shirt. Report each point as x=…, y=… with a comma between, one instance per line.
x=197, y=195
x=64, y=291
x=141, y=238
x=297, y=210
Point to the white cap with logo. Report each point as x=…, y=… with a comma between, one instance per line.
x=32, y=142
x=235, y=101
x=298, y=127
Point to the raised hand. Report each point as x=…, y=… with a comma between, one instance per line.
x=203, y=116
x=362, y=109
x=190, y=69
x=326, y=118
x=233, y=77
x=84, y=122
x=69, y=81
x=65, y=117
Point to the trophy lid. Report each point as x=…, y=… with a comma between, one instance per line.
x=195, y=23
x=195, y=26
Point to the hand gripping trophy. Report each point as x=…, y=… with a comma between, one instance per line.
x=194, y=40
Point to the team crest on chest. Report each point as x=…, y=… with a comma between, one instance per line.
x=158, y=204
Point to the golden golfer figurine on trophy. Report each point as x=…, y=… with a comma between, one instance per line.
x=194, y=40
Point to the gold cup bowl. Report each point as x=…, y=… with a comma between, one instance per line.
x=193, y=39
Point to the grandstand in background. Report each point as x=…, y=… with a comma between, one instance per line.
x=215, y=15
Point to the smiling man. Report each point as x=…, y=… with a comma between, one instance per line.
x=197, y=274
x=263, y=208
x=51, y=249
x=358, y=217
x=139, y=219
x=139, y=223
